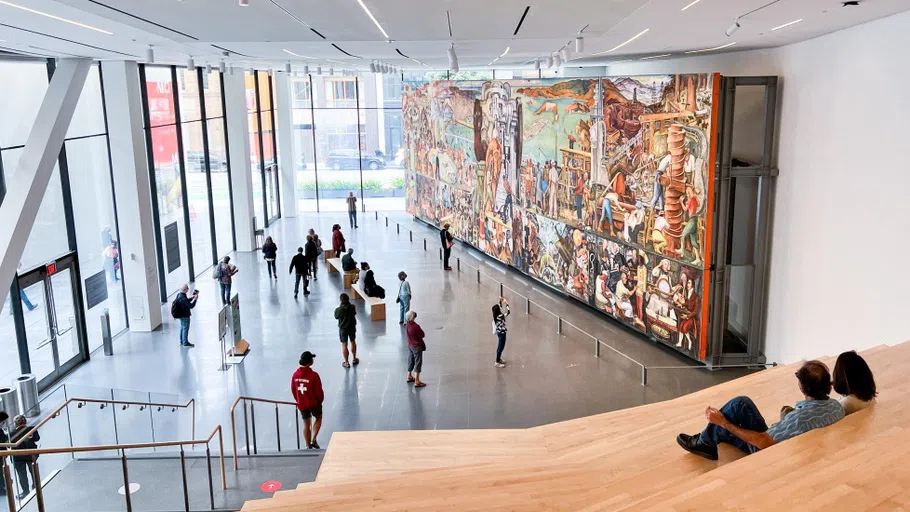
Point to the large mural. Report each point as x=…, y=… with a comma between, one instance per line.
x=599, y=188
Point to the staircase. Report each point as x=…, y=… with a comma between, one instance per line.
x=629, y=459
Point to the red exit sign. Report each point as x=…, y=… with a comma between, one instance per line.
x=51, y=268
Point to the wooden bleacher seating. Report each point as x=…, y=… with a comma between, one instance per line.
x=628, y=459
x=377, y=305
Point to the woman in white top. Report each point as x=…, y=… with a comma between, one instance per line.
x=854, y=382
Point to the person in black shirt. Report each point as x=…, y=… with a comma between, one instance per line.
x=311, y=252
x=23, y=463
x=270, y=252
x=447, y=242
x=369, y=282
x=185, y=304
x=3, y=439
x=301, y=265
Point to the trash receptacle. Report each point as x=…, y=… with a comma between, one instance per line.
x=9, y=401
x=106, y=338
x=28, y=394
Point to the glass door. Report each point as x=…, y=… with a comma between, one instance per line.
x=52, y=319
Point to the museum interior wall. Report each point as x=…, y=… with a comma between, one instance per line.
x=839, y=239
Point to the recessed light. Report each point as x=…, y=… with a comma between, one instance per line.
x=656, y=56
x=636, y=36
x=794, y=22
x=289, y=52
x=244, y=3
x=505, y=52
x=370, y=14
x=58, y=18
x=690, y=5
x=713, y=49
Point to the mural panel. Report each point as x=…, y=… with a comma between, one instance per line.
x=596, y=187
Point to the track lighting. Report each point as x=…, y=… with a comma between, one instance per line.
x=579, y=44
x=244, y=3
x=549, y=61
x=565, y=54
x=733, y=28
x=190, y=65
x=208, y=69
x=251, y=70
x=150, y=55
x=270, y=72
x=231, y=70
x=287, y=68
x=306, y=69
x=537, y=64
x=331, y=71
x=318, y=70
x=557, y=61
x=372, y=67
x=222, y=66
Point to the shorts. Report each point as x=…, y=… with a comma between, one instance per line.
x=344, y=336
x=312, y=412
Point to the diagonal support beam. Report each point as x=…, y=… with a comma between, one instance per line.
x=26, y=189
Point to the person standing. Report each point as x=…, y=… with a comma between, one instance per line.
x=346, y=314
x=337, y=241
x=352, y=209
x=306, y=388
x=301, y=265
x=3, y=439
x=500, y=312
x=447, y=242
x=182, y=310
x=579, y=194
x=554, y=190
x=23, y=463
x=225, y=274
x=416, y=348
x=270, y=252
x=404, y=296
x=314, y=263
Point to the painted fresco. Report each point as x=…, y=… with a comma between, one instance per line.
x=596, y=187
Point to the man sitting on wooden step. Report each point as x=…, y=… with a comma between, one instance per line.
x=741, y=424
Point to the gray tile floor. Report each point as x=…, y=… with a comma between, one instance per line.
x=550, y=377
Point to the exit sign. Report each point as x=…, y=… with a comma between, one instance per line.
x=51, y=268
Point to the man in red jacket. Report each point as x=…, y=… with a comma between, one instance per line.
x=307, y=390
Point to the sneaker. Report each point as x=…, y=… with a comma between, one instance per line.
x=295, y=295
x=306, y=293
x=346, y=364
x=315, y=445
x=693, y=444
x=499, y=365
x=188, y=345
x=356, y=361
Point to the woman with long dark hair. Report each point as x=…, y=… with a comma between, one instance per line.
x=500, y=312
x=270, y=252
x=854, y=382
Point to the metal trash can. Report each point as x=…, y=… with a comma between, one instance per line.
x=106, y=338
x=9, y=401
x=28, y=394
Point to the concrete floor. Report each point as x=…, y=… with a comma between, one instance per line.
x=550, y=377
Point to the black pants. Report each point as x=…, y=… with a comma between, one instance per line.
x=23, y=468
x=314, y=265
x=306, y=283
x=446, y=254
x=273, y=270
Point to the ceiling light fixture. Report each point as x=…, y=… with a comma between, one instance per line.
x=557, y=61
x=537, y=64
x=636, y=36
x=733, y=28
x=251, y=71
x=306, y=69
x=549, y=61
x=222, y=67
x=656, y=56
x=208, y=69
x=372, y=18
x=331, y=71
x=244, y=3
x=713, y=49
x=231, y=70
x=289, y=52
x=150, y=55
x=287, y=68
x=794, y=22
x=372, y=67
x=318, y=70
x=690, y=5
x=579, y=44
x=505, y=52
x=58, y=18
x=190, y=65
x=565, y=54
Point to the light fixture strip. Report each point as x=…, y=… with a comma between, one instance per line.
x=375, y=22
x=58, y=18
x=289, y=52
x=690, y=4
x=785, y=25
x=633, y=38
x=656, y=56
x=712, y=49
x=505, y=52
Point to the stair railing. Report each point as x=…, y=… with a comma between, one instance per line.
x=251, y=420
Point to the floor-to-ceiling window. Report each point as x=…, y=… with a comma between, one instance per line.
x=218, y=163
x=263, y=142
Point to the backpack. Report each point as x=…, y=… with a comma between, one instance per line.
x=216, y=274
x=318, y=245
x=177, y=309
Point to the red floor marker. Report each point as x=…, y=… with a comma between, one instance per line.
x=270, y=486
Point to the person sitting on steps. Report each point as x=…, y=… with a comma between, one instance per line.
x=740, y=423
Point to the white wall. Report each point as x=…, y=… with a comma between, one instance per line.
x=842, y=213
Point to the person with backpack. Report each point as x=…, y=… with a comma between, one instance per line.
x=500, y=312
x=23, y=463
x=181, y=310
x=311, y=252
x=315, y=262
x=306, y=388
x=270, y=252
x=300, y=263
x=224, y=273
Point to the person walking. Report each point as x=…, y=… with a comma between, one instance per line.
x=270, y=252
x=352, y=209
x=404, y=296
x=500, y=312
x=447, y=242
x=416, y=348
x=23, y=463
x=301, y=265
x=311, y=253
x=346, y=314
x=181, y=309
x=306, y=387
x=337, y=241
x=224, y=273
x=314, y=263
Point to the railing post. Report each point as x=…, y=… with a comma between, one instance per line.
x=377, y=215
x=10, y=491
x=500, y=290
x=397, y=228
x=386, y=222
x=39, y=492
x=558, y=325
x=114, y=412
x=411, y=235
x=458, y=263
x=208, y=461
x=478, y=275
x=424, y=244
x=277, y=428
x=528, y=305
x=126, y=481
x=596, y=348
x=297, y=428
x=186, y=489
x=440, y=254
x=246, y=430
x=644, y=375
x=253, y=422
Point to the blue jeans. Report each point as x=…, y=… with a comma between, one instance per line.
x=741, y=412
x=306, y=283
x=404, y=305
x=225, y=293
x=353, y=217
x=501, y=346
x=184, y=330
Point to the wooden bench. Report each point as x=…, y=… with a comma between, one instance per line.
x=327, y=254
x=335, y=266
x=377, y=305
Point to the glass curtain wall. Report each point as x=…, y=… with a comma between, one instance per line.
x=348, y=138
x=187, y=145
x=263, y=142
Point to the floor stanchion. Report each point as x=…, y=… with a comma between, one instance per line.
x=424, y=244
x=458, y=263
x=411, y=235
x=644, y=375
x=500, y=290
x=558, y=325
x=596, y=348
x=528, y=306
x=377, y=215
x=397, y=228
x=478, y=275
x=386, y=222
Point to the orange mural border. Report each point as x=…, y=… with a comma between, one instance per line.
x=709, y=221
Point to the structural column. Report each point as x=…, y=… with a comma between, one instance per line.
x=133, y=192
x=26, y=189
x=239, y=154
x=286, y=144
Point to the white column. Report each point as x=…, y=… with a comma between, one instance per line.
x=28, y=184
x=133, y=190
x=286, y=149
x=239, y=142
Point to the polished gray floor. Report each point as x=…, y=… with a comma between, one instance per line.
x=550, y=377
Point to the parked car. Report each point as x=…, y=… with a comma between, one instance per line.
x=348, y=159
x=195, y=162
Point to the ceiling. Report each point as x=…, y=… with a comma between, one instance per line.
x=339, y=33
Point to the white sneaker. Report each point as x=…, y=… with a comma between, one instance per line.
x=499, y=365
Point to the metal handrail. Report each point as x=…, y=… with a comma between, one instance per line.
x=246, y=399
x=56, y=412
x=39, y=493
